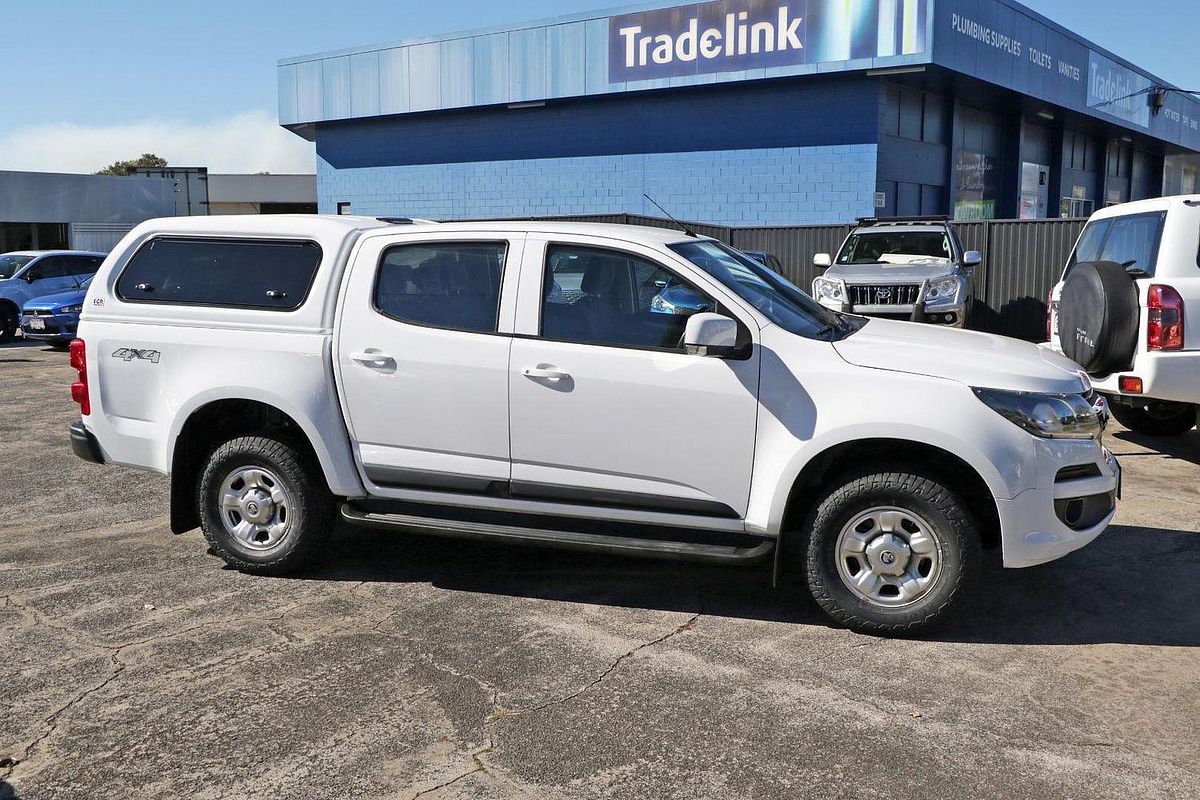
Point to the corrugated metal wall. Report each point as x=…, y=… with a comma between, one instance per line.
x=1022, y=259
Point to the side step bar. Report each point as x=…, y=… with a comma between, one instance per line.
x=563, y=540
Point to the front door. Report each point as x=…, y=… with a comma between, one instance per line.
x=422, y=356
x=607, y=407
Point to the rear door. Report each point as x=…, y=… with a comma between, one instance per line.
x=422, y=350
x=607, y=407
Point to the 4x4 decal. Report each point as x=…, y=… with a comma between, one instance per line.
x=129, y=354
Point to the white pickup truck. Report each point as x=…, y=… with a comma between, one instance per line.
x=528, y=381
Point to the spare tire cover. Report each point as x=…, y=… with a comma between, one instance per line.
x=1098, y=317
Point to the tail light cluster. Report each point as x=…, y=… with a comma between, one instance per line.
x=1164, y=329
x=79, y=389
x=1051, y=315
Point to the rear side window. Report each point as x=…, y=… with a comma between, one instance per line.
x=275, y=275
x=454, y=285
x=1132, y=241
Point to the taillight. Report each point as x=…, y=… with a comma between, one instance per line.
x=1051, y=310
x=1164, y=329
x=79, y=389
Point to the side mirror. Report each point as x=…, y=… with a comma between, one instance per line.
x=972, y=258
x=708, y=334
x=822, y=260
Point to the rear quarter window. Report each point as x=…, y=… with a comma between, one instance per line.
x=274, y=275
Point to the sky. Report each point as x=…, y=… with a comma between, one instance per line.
x=86, y=82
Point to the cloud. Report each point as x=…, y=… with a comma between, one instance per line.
x=247, y=142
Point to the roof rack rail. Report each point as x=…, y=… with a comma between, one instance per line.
x=927, y=219
x=406, y=221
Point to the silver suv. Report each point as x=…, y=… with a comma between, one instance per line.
x=911, y=269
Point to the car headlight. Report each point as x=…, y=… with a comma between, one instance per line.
x=942, y=291
x=829, y=289
x=71, y=310
x=1050, y=416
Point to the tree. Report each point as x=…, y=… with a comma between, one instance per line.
x=145, y=160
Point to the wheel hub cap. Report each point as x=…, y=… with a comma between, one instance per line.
x=255, y=508
x=888, y=556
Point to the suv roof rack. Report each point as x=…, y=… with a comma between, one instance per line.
x=405, y=221
x=928, y=219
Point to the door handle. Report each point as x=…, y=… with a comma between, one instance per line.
x=372, y=358
x=542, y=373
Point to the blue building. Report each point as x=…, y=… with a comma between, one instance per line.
x=744, y=112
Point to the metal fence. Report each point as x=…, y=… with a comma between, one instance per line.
x=1022, y=259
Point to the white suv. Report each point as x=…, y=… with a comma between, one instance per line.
x=1120, y=311
x=520, y=381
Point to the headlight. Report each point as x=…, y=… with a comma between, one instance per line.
x=1051, y=416
x=941, y=291
x=829, y=289
x=70, y=310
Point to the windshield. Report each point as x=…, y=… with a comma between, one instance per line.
x=776, y=298
x=10, y=264
x=896, y=247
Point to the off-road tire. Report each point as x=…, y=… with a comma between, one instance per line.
x=958, y=540
x=1156, y=419
x=311, y=510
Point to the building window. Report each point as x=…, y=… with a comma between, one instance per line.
x=343, y=209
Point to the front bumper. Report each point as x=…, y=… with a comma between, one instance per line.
x=1032, y=524
x=55, y=327
x=84, y=444
x=954, y=316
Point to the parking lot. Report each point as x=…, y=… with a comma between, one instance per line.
x=136, y=666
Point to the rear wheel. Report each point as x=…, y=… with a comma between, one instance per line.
x=891, y=552
x=1154, y=418
x=264, y=506
x=8, y=322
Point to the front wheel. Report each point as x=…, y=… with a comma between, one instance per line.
x=1154, y=418
x=891, y=552
x=8, y=323
x=264, y=505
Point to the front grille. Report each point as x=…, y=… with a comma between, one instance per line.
x=39, y=313
x=898, y=294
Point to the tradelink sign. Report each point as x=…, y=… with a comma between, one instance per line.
x=1118, y=91
x=732, y=35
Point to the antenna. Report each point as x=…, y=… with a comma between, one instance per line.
x=688, y=231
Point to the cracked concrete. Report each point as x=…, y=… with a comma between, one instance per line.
x=137, y=667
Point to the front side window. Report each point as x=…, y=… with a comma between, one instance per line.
x=237, y=273
x=771, y=294
x=896, y=248
x=454, y=285
x=51, y=267
x=609, y=297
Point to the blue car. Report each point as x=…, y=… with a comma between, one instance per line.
x=55, y=317
x=30, y=274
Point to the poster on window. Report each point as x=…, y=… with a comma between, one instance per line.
x=975, y=197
